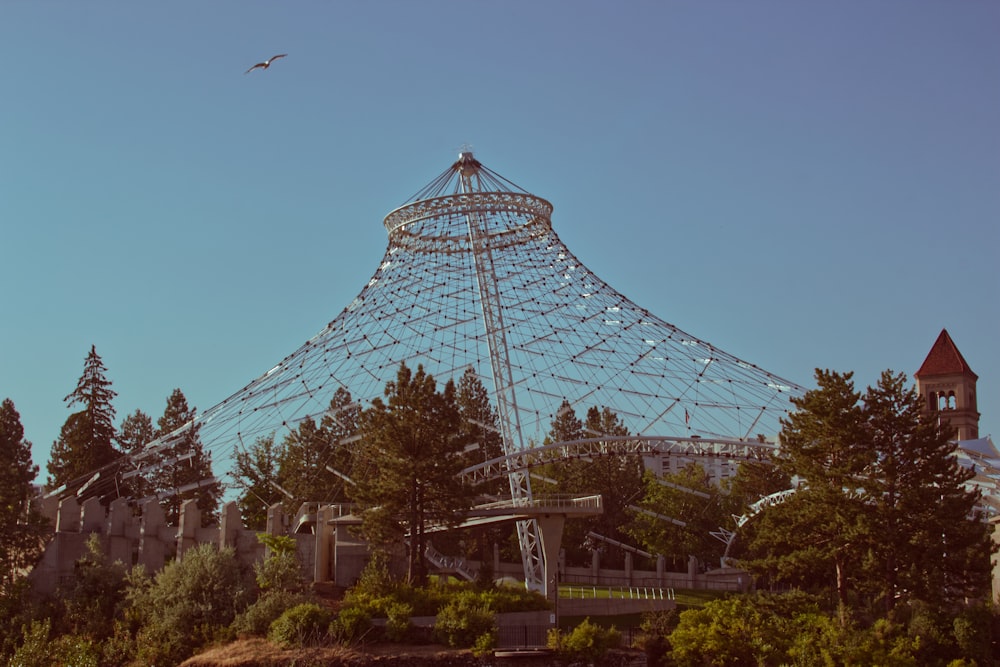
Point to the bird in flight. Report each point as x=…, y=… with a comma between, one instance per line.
x=266, y=63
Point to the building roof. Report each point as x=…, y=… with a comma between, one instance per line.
x=944, y=359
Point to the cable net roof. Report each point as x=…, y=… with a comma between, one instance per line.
x=567, y=335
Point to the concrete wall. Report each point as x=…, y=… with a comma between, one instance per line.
x=327, y=550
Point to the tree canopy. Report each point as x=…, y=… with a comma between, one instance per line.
x=882, y=514
x=86, y=440
x=408, y=458
x=21, y=526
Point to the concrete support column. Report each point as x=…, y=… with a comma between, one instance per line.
x=230, y=524
x=92, y=516
x=275, y=520
x=550, y=530
x=187, y=531
x=151, y=549
x=68, y=518
x=324, y=537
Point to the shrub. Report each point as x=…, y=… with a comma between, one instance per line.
x=462, y=621
x=303, y=625
x=587, y=641
x=36, y=650
x=351, y=625
x=256, y=619
x=397, y=624
x=190, y=603
x=281, y=569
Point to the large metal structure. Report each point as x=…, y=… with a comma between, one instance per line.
x=474, y=276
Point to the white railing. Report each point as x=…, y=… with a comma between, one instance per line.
x=616, y=593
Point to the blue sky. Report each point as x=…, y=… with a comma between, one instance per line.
x=803, y=184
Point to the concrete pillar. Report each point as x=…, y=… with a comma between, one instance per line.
x=187, y=529
x=324, y=538
x=628, y=567
x=595, y=566
x=230, y=524
x=68, y=518
x=151, y=549
x=661, y=569
x=496, y=560
x=275, y=520
x=550, y=530
x=92, y=517
x=119, y=543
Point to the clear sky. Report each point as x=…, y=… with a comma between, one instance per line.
x=802, y=184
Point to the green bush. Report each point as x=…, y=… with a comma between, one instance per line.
x=351, y=625
x=190, y=603
x=303, y=625
x=397, y=624
x=256, y=619
x=280, y=570
x=587, y=641
x=463, y=620
x=36, y=650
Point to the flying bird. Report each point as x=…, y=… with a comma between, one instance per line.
x=266, y=63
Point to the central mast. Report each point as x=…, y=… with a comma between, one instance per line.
x=468, y=169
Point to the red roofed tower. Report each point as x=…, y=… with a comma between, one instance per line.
x=948, y=387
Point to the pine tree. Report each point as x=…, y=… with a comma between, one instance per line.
x=315, y=458
x=817, y=538
x=931, y=544
x=256, y=473
x=21, y=526
x=86, y=440
x=136, y=432
x=411, y=443
x=185, y=469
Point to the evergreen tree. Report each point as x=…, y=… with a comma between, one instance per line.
x=315, y=459
x=930, y=543
x=136, y=432
x=21, y=526
x=680, y=511
x=86, y=440
x=185, y=469
x=816, y=539
x=481, y=426
x=882, y=509
x=411, y=443
x=256, y=473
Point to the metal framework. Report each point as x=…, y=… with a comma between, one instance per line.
x=474, y=276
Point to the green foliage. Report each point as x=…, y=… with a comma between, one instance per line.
x=883, y=516
x=587, y=642
x=185, y=441
x=740, y=630
x=406, y=467
x=189, y=603
x=36, y=650
x=91, y=600
x=463, y=620
x=351, y=625
x=255, y=472
x=256, y=619
x=86, y=440
x=308, y=454
x=485, y=644
x=21, y=526
x=280, y=570
x=617, y=478
x=303, y=625
x=397, y=622
x=656, y=627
